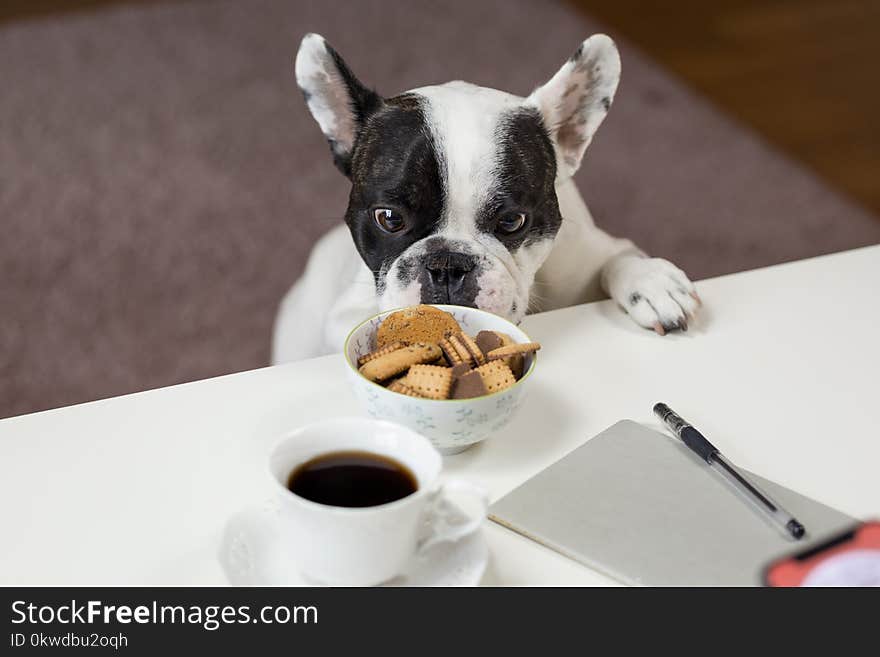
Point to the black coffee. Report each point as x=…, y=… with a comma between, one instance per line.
x=353, y=479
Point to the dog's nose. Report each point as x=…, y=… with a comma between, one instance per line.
x=449, y=270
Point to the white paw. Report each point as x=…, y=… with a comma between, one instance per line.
x=656, y=294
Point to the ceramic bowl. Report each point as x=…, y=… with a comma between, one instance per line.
x=452, y=425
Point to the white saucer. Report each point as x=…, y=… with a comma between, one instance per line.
x=251, y=555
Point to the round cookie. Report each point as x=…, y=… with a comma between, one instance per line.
x=416, y=324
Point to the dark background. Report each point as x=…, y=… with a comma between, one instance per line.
x=161, y=181
x=401, y=620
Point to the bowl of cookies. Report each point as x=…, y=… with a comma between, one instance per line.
x=454, y=374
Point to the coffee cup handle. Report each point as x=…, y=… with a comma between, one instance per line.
x=445, y=519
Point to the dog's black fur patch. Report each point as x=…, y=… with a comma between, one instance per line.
x=394, y=165
x=525, y=178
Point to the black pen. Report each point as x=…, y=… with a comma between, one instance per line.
x=710, y=454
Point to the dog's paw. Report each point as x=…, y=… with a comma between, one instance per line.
x=656, y=294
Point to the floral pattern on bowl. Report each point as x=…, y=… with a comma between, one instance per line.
x=451, y=425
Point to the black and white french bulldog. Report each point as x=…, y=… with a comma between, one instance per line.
x=463, y=194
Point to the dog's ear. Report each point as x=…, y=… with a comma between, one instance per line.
x=574, y=102
x=336, y=98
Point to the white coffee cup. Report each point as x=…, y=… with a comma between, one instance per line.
x=362, y=546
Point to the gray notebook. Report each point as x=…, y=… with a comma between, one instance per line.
x=640, y=507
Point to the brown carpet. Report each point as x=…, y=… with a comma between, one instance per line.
x=161, y=182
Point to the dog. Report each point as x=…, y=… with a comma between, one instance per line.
x=462, y=194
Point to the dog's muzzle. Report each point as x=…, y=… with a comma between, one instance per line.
x=449, y=277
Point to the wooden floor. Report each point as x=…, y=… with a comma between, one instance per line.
x=803, y=73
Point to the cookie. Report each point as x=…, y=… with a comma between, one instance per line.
x=516, y=363
x=454, y=350
x=416, y=324
x=431, y=381
x=473, y=350
x=512, y=350
x=402, y=388
x=398, y=361
x=461, y=348
x=469, y=385
x=496, y=376
x=488, y=340
x=460, y=370
x=381, y=351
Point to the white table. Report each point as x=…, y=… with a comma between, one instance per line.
x=782, y=372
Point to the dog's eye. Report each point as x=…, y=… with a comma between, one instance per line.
x=389, y=220
x=510, y=223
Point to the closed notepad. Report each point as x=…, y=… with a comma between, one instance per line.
x=640, y=507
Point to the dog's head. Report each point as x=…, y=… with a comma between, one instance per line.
x=453, y=186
